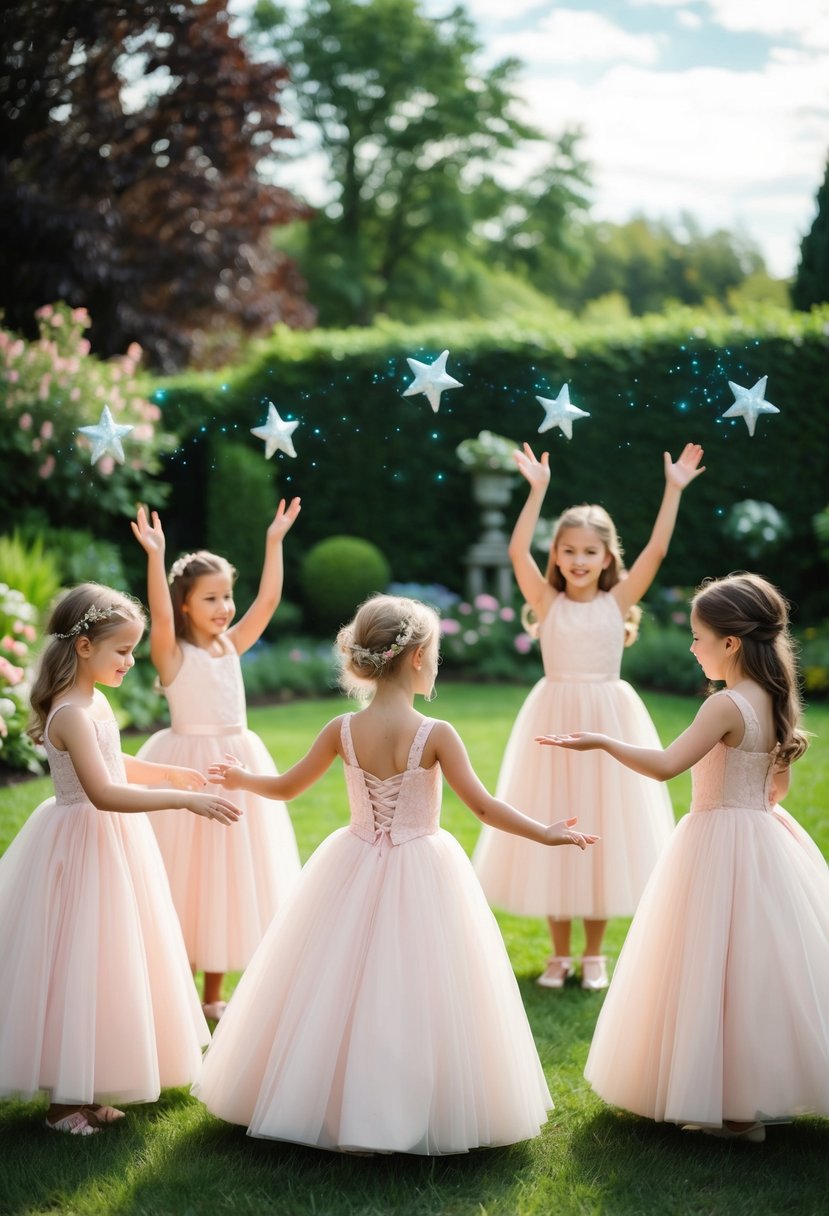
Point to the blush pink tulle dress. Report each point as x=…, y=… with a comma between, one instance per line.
x=719, y=1006
x=227, y=883
x=581, y=645
x=380, y=1012
x=98, y=1000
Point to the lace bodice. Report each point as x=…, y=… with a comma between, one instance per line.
x=207, y=695
x=735, y=776
x=582, y=641
x=68, y=789
x=394, y=809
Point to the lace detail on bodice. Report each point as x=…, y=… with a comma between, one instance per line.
x=392, y=810
x=68, y=789
x=207, y=695
x=582, y=641
x=738, y=776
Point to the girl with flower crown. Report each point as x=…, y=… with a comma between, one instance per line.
x=225, y=891
x=98, y=1004
x=381, y=1013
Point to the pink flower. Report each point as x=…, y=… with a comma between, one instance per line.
x=7, y=642
x=57, y=320
x=523, y=643
x=29, y=633
x=488, y=602
x=47, y=429
x=75, y=394
x=43, y=391
x=83, y=346
x=296, y=655
x=507, y=614
x=4, y=730
x=25, y=422
x=47, y=468
x=134, y=351
x=143, y=432
x=46, y=311
x=464, y=609
x=8, y=672
x=449, y=626
x=106, y=465
x=80, y=316
x=14, y=376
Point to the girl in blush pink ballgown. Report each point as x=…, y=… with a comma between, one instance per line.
x=581, y=604
x=225, y=890
x=380, y=1013
x=716, y=1018
x=98, y=1003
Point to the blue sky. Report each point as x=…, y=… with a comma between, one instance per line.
x=715, y=107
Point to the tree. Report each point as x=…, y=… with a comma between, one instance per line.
x=415, y=136
x=811, y=284
x=131, y=135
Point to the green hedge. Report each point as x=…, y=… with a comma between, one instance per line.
x=375, y=464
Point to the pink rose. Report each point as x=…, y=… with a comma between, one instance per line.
x=523, y=643
x=25, y=422
x=47, y=429
x=47, y=468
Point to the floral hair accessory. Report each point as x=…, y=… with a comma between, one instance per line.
x=179, y=567
x=90, y=617
x=379, y=658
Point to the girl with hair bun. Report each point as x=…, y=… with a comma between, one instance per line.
x=381, y=1013
x=716, y=1018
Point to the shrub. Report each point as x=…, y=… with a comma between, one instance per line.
x=661, y=659
x=17, y=638
x=31, y=569
x=485, y=640
x=337, y=574
x=81, y=557
x=291, y=667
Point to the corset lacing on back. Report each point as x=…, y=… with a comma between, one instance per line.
x=383, y=797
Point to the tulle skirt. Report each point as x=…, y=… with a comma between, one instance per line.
x=719, y=1005
x=98, y=1000
x=380, y=1012
x=631, y=813
x=227, y=882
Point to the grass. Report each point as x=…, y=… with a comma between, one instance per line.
x=173, y=1159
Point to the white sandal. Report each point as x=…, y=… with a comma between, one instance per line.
x=558, y=969
x=594, y=972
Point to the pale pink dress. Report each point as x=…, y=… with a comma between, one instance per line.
x=98, y=1002
x=719, y=1006
x=226, y=884
x=381, y=1012
x=581, y=645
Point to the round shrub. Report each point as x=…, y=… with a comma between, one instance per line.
x=336, y=575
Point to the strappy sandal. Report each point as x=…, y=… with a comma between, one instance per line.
x=594, y=972
x=74, y=1124
x=559, y=968
x=103, y=1114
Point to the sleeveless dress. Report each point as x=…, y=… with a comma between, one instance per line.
x=380, y=1012
x=719, y=1006
x=98, y=1002
x=226, y=884
x=581, y=645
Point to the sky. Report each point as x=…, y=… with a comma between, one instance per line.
x=719, y=108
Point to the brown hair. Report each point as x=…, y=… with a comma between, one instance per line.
x=385, y=629
x=182, y=578
x=88, y=610
x=747, y=607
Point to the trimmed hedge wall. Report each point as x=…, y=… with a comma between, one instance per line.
x=381, y=466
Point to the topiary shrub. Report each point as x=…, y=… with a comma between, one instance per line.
x=336, y=575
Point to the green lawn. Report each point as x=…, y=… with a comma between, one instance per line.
x=174, y=1158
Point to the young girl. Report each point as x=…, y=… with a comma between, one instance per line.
x=716, y=1016
x=226, y=887
x=380, y=1013
x=581, y=603
x=98, y=1003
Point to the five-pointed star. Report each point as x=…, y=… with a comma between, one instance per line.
x=749, y=403
x=431, y=379
x=106, y=437
x=559, y=412
x=276, y=432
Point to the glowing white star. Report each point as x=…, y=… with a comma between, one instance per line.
x=106, y=437
x=431, y=379
x=276, y=432
x=749, y=403
x=559, y=412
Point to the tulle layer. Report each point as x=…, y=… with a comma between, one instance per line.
x=98, y=1000
x=631, y=813
x=380, y=1012
x=227, y=882
x=719, y=1002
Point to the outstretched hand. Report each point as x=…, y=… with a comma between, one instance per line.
x=577, y=741
x=537, y=472
x=228, y=773
x=562, y=833
x=185, y=778
x=149, y=536
x=284, y=519
x=213, y=806
x=686, y=468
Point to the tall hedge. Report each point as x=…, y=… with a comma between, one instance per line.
x=382, y=466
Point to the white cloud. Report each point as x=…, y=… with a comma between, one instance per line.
x=571, y=36
x=807, y=20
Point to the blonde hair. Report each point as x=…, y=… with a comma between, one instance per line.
x=747, y=607
x=375, y=644
x=89, y=610
x=184, y=573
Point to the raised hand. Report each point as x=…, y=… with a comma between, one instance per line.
x=213, y=806
x=562, y=833
x=686, y=468
x=228, y=773
x=537, y=472
x=149, y=536
x=284, y=519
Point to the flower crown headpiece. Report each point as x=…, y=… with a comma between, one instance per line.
x=379, y=658
x=179, y=566
x=90, y=617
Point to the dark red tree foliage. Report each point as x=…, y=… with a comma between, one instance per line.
x=132, y=133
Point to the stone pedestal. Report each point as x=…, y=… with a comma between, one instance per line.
x=488, y=567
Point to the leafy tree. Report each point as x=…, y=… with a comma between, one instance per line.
x=415, y=134
x=132, y=132
x=811, y=285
